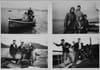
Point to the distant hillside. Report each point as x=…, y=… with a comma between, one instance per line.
x=39, y=46
x=36, y=46
x=4, y=45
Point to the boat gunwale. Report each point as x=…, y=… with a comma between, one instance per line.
x=16, y=21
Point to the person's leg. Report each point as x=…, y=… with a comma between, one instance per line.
x=13, y=55
x=76, y=56
x=81, y=55
x=72, y=57
x=64, y=57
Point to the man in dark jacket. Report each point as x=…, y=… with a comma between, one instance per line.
x=86, y=24
x=30, y=15
x=70, y=20
x=78, y=47
x=65, y=48
x=13, y=49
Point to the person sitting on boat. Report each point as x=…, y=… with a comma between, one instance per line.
x=25, y=17
x=30, y=15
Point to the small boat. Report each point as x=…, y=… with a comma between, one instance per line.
x=18, y=25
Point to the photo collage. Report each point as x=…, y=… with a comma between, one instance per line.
x=49, y=34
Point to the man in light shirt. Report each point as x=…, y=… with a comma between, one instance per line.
x=78, y=47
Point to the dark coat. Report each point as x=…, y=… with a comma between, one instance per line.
x=65, y=46
x=69, y=23
x=30, y=12
x=13, y=49
x=30, y=15
x=76, y=47
x=85, y=26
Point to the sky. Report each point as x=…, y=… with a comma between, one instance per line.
x=24, y=4
x=87, y=7
x=8, y=38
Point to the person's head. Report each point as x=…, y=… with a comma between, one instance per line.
x=78, y=7
x=29, y=8
x=14, y=41
x=85, y=16
x=22, y=43
x=79, y=40
x=25, y=13
x=73, y=42
x=62, y=40
x=72, y=10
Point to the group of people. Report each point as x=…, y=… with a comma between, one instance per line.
x=73, y=52
x=28, y=15
x=25, y=52
x=75, y=21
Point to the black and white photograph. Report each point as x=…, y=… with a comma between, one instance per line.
x=75, y=51
x=75, y=17
x=49, y=34
x=24, y=17
x=24, y=51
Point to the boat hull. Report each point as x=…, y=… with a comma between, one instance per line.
x=19, y=26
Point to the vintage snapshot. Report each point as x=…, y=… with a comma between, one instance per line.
x=22, y=51
x=75, y=51
x=24, y=17
x=75, y=17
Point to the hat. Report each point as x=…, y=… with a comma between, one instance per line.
x=14, y=40
x=78, y=6
x=22, y=42
x=62, y=40
x=78, y=38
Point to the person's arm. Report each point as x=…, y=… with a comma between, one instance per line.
x=16, y=46
x=31, y=47
x=11, y=46
x=10, y=49
x=57, y=44
x=82, y=47
x=87, y=25
x=76, y=46
x=32, y=12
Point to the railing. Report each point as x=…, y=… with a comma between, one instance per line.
x=57, y=57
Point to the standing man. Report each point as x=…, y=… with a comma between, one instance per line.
x=70, y=20
x=22, y=50
x=78, y=47
x=86, y=24
x=30, y=53
x=78, y=12
x=79, y=15
x=21, y=46
x=13, y=49
x=64, y=48
x=30, y=14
